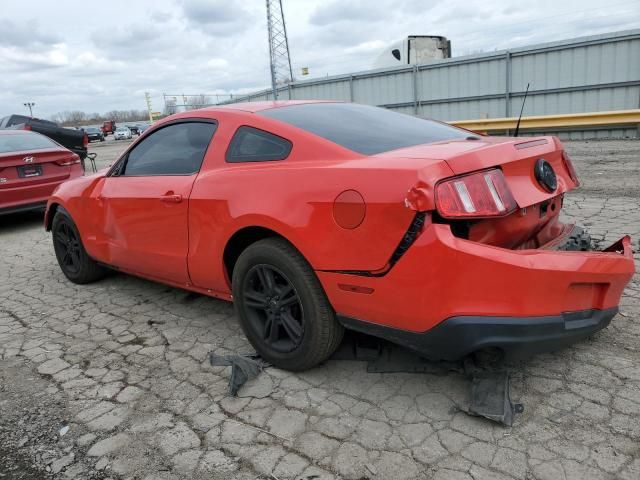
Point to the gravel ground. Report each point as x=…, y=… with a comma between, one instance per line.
x=111, y=380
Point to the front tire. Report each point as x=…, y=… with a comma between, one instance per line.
x=282, y=307
x=73, y=259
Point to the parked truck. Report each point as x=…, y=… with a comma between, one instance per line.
x=108, y=127
x=414, y=50
x=74, y=140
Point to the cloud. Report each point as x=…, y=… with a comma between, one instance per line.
x=25, y=35
x=339, y=11
x=464, y=13
x=13, y=58
x=134, y=40
x=25, y=46
x=108, y=59
x=216, y=16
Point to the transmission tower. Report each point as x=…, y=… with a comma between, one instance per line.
x=281, y=72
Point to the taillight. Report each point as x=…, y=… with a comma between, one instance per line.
x=480, y=194
x=85, y=140
x=27, y=127
x=568, y=164
x=68, y=161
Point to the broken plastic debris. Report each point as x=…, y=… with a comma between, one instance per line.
x=243, y=368
x=63, y=431
x=491, y=397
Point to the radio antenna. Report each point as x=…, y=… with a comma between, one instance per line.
x=521, y=110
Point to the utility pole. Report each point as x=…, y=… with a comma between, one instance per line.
x=30, y=106
x=147, y=97
x=280, y=61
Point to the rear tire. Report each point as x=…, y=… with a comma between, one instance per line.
x=73, y=259
x=291, y=324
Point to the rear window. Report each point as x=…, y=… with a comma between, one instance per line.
x=364, y=129
x=24, y=142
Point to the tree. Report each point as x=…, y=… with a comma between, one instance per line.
x=77, y=118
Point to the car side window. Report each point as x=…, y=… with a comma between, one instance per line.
x=253, y=145
x=176, y=149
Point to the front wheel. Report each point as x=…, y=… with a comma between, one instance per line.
x=282, y=307
x=73, y=259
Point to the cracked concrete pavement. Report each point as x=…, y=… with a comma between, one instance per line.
x=123, y=364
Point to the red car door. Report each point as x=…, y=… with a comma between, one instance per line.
x=145, y=201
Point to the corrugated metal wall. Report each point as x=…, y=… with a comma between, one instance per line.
x=587, y=74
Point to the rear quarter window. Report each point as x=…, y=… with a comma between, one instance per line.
x=254, y=145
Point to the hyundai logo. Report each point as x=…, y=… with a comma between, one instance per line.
x=545, y=175
x=28, y=159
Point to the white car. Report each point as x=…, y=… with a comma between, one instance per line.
x=122, y=133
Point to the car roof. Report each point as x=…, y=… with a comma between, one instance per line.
x=254, y=107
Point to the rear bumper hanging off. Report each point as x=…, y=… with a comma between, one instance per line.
x=448, y=296
x=517, y=337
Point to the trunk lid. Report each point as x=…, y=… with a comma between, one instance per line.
x=515, y=156
x=21, y=169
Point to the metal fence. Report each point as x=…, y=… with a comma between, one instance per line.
x=587, y=74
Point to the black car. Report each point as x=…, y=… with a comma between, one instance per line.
x=74, y=140
x=94, y=134
x=135, y=130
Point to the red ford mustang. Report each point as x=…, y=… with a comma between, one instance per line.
x=31, y=167
x=315, y=216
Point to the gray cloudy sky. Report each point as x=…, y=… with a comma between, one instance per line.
x=100, y=56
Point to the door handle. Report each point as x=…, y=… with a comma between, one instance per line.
x=170, y=197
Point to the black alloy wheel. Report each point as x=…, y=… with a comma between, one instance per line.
x=73, y=259
x=282, y=307
x=273, y=307
x=67, y=248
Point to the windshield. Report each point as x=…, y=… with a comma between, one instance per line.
x=365, y=129
x=91, y=130
x=24, y=142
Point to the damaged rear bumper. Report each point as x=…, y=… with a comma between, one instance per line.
x=518, y=337
x=448, y=296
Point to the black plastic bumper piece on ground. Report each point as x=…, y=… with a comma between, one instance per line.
x=518, y=337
